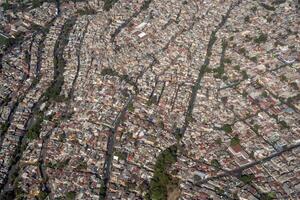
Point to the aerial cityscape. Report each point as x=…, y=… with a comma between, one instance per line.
x=150, y=99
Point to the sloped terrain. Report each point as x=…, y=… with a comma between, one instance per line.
x=148, y=99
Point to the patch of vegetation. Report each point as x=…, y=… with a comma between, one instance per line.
x=227, y=61
x=256, y=128
x=253, y=9
x=247, y=178
x=178, y=134
x=152, y=100
x=219, y=191
x=53, y=92
x=268, y=196
x=264, y=94
x=4, y=127
x=27, y=57
x=109, y=72
x=242, y=50
x=19, y=193
x=219, y=72
x=221, y=69
x=102, y=192
x=130, y=107
x=268, y=7
x=108, y=4
x=262, y=38
x=278, y=2
x=33, y=132
x=294, y=85
x=161, y=124
x=227, y=128
x=36, y=3
x=218, y=141
x=237, y=67
x=254, y=59
x=244, y=74
x=283, y=124
x=59, y=165
x=216, y=164
x=70, y=195
x=162, y=179
x=6, y=5
x=3, y=41
x=125, y=78
x=247, y=19
x=59, y=198
x=121, y=155
x=42, y=195
x=209, y=70
x=252, y=155
x=82, y=166
x=86, y=11
x=146, y=4
x=39, y=28
x=13, y=41
x=283, y=78
x=269, y=19
x=235, y=140
x=224, y=78
x=224, y=100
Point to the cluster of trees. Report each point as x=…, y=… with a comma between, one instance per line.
x=162, y=180
x=108, y=4
x=59, y=165
x=247, y=178
x=109, y=71
x=70, y=195
x=123, y=77
x=235, y=140
x=35, y=129
x=262, y=38
x=3, y=41
x=227, y=128
x=86, y=11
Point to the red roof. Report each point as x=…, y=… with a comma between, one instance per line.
x=237, y=148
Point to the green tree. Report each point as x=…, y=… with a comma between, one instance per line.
x=247, y=178
x=227, y=128
x=216, y=164
x=70, y=195
x=161, y=178
x=235, y=140
x=262, y=38
x=268, y=196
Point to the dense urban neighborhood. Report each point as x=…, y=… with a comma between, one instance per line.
x=150, y=99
